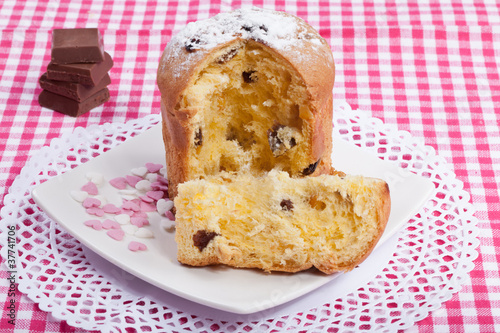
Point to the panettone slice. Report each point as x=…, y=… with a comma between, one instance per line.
x=277, y=223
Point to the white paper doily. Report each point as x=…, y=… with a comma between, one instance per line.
x=434, y=253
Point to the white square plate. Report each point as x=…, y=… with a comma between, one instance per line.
x=241, y=291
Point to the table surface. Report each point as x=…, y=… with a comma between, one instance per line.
x=430, y=69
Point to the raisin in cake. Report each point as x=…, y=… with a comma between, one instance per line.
x=249, y=90
x=278, y=223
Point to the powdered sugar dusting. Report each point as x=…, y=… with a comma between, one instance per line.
x=275, y=29
x=258, y=24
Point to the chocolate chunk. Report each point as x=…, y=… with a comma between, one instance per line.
x=69, y=106
x=286, y=204
x=83, y=45
x=280, y=141
x=311, y=168
x=192, y=45
x=248, y=76
x=202, y=237
x=198, y=137
x=86, y=74
x=263, y=28
x=76, y=91
x=227, y=56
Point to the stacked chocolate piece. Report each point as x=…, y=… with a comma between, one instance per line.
x=77, y=77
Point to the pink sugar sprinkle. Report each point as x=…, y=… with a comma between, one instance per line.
x=116, y=234
x=133, y=180
x=119, y=183
x=139, y=221
x=95, y=211
x=156, y=195
x=127, y=211
x=132, y=205
x=110, y=224
x=91, y=202
x=170, y=215
x=140, y=214
x=111, y=209
x=162, y=180
x=137, y=246
x=159, y=186
x=95, y=224
x=90, y=188
x=147, y=207
x=145, y=198
x=152, y=167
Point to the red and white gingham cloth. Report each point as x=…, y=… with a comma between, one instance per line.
x=431, y=69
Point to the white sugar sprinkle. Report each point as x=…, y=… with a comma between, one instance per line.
x=143, y=233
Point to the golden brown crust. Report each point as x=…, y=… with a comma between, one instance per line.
x=307, y=52
x=191, y=50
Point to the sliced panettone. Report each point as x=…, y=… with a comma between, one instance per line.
x=278, y=223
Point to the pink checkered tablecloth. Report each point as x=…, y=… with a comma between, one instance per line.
x=428, y=68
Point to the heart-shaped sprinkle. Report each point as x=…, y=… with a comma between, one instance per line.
x=139, y=221
x=122, y=219
x=102, y=199
x=137, y=246
x=169, y=215
x=110, y=224
x=79, y=195
x=152, y=167
x=145, y=198
x=132, y=180
x=91, y=202
x=162, y=180
x=95, y=211
x=95, y=177
x=143, y=185
x=116, y=234
x=128, y=192
x=90, y=188
x=140, y=214
x=157, y=186
x=127, y=212
x=163, y=206
x=163, y=171
x=128, y=197
x=96, y=224
x=111, y=209
x=152, y=177
x=131, y=205
x=130, y=229
x=141, y=171
x=148, y=207
x=156, y=195
x=119, y=183
x=143, y=233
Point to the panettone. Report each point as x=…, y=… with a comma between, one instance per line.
x=246, y=101
x=278, y=223
x=249, y=90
